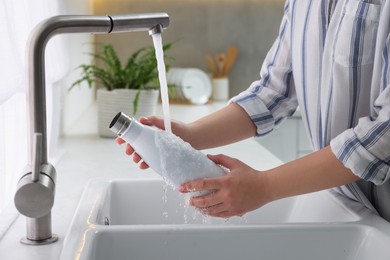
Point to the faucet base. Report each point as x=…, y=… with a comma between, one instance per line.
x=39, y=231
x=41, y=242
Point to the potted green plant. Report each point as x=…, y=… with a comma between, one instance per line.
x=132, y=88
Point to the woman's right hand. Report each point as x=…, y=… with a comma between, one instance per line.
x=178, y=128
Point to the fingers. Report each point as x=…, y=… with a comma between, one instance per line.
x=201, y=184
x=136, y=158
x=208, y=205
x=211, y=204
x=233, y=194
x=223, y=160
x=210, y=183
x=159, y=123
x=143, y=165
x=213, y=210
x=129, y=150
x=153, y=121
x=206, y=201
x=119, y=140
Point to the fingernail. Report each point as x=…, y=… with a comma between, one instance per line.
x=182, y=189
x=144, y=119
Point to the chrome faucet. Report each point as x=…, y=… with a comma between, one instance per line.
x=34, y=197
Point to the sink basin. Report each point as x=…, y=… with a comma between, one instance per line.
x=151, y=202
x=232, y=243
x=143, y=219
x=246, y=243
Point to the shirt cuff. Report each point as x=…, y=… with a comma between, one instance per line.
x=361, y=162
x=257, y=111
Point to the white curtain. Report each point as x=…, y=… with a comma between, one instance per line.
x=17, y=19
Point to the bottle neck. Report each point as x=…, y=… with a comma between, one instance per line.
x=131, y=133
x=126, y=127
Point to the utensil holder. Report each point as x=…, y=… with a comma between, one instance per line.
x=220, y=89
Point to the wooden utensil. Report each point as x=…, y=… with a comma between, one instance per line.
x=211, y=64
x=230, y=59
x=220, y=59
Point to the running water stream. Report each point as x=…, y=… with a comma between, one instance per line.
x=164, y=142
x=157, y=41
x=158, y=47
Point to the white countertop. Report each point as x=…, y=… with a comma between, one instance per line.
x=86, y=156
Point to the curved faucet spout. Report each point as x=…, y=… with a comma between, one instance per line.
x=34, y=189
x=72, y=24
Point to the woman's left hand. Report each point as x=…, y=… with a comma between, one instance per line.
x=241, y=190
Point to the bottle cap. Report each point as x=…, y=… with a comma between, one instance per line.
x=120, y=123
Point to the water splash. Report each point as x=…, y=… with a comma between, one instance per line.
x=165, y=194
x=165, y=201
x=243, y=220
x=181, y=163
x=157, y=41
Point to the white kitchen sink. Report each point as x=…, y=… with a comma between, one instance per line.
x=300, y=242
x=143, y=219
x=151, y=202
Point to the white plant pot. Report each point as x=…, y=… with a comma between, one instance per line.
x=121, y=100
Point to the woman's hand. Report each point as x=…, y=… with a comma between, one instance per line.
x=178, y=128
x=242, y=190
x=130, y=151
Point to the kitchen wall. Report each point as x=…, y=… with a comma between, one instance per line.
x=205, y=26
x=75, y=102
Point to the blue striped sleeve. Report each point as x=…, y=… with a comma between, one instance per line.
x=365, y=149
x=273, y=97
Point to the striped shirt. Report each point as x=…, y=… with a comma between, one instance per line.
x=331, y=58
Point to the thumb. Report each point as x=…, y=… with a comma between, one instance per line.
x=153, y=121
x=223, y=160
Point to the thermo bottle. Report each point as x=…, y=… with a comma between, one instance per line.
x=167, y=154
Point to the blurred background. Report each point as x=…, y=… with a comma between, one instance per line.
x=197, y=28
x=201, y=27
